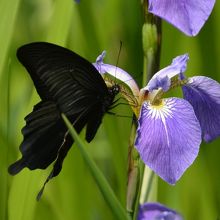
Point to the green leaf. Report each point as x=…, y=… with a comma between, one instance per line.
x=60, y=22
x=22, y=197
x=103, y=185
x=8, y=18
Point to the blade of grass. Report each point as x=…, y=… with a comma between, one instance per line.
x=103, y=185
x=22, y=196
x=60, y=22
x=8, y=17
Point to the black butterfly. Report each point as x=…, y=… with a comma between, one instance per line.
x=66, y=83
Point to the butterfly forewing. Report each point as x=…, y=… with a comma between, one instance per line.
x=63, y=76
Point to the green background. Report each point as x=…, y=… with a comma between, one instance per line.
x=88, y=28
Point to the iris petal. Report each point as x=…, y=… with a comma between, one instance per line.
x=203, y=94
x=187, y=15
x=116, y=72
x=162, y=79
x=157, y=211
x=168, y=137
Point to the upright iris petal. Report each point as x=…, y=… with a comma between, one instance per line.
x=168, y=137
x=187, y=15
x=162, y=79
x=156, y=211
x=203, y=94
x=116, y=72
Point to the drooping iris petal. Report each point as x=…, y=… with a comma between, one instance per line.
x=168, y=137
x=116, y=72
x=162, y=79
x=203, y=94
x=187, y=15
x=157, y=211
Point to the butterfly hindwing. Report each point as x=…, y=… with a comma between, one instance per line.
x=42, y=137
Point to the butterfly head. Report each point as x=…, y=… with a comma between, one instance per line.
x=114, y=90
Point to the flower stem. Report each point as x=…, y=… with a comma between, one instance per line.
x=135, y=174
x=147, y=185
x=133, y=170
x=151, y=39
x=141, y=169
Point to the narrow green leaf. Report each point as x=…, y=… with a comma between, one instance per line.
x=8, y=17
x=60, y=22
x=103, y=185
x=22, y=196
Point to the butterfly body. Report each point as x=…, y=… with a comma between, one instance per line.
x=66, y=83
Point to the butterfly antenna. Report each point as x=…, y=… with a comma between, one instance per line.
x=136, y=77
x=119, y=52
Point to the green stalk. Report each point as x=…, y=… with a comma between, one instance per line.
x=59, y=27
x=151, y=40
x=102, y=183
x=147, y=189
x=136, y=208
x=9, y=10
x=151, y=37
x=4, y=173
x=133, y=171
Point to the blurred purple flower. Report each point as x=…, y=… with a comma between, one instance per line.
x=170, y=130
x=187, y=15
x=156, y=211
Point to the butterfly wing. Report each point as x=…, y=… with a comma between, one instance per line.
x=66, y=83
x=61, y=75
x=43, y=134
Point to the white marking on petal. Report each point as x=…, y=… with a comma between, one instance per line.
x=162, y=111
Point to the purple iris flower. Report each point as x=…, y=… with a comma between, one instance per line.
x=156, y=211
x=187, y=15
x=170, y=130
